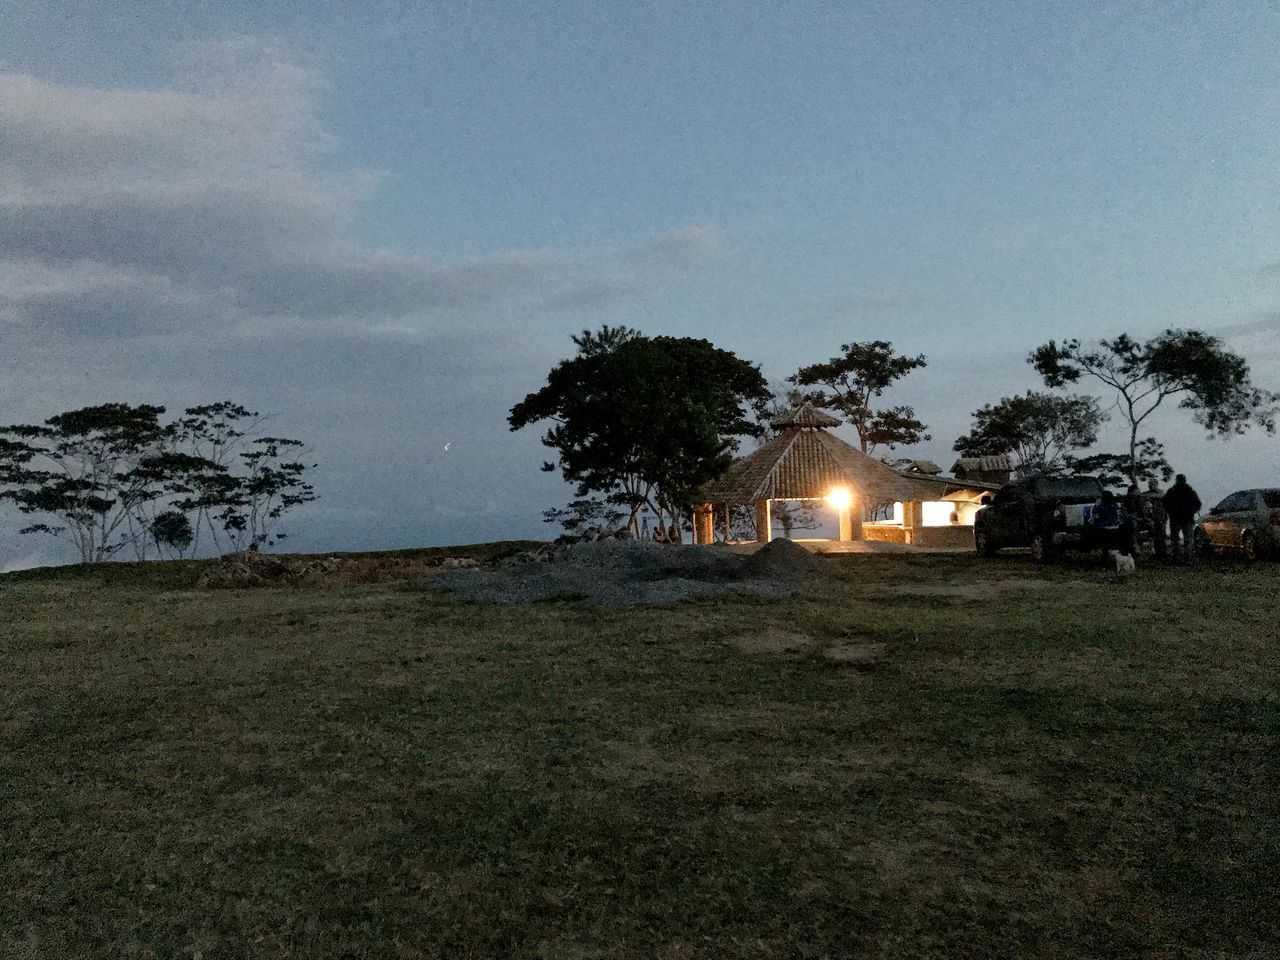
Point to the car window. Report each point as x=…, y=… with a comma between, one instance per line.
x=1068, y=488
x=1242, y=500
x=1006, y=495
x=1272, y=499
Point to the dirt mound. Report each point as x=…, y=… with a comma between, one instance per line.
x=614, y=573
x=250, y=569
x=783, y=560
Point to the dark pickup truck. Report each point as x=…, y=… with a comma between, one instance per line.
x=1049, y=515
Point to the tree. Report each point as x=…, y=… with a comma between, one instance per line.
x=607, y=338
x=171, y=530
x=583, y=513
x=272, y=484
x=849, y=383
x=1148, y=462
x=89, y=470
x=1212, y=382
x=114, y=477
x=1038, y=431
x=646, y=422
x=213, y=433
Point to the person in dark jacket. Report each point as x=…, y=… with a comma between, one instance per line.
x=1111, y=514
x=1181, y=504
x=1106, y=513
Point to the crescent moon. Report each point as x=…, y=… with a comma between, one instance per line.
x=447, y=445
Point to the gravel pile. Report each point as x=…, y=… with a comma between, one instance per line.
x=250, y=569
x=629, y=572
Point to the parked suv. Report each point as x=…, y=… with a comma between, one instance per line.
x=1246, y=523
x=1050, y=514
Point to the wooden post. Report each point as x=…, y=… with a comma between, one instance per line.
x=764, y=522
x=912, y=520
x=846, y=523
x=703, y=525
x=856, y=510
x=728, y=526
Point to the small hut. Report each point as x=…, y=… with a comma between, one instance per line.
x=993, y=469
x=805, y=461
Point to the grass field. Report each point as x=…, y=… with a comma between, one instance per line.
x=1045, y=764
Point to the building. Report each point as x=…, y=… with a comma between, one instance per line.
x=993, y=469
x=805, y=461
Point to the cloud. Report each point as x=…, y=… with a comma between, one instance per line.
x=683, y=248
x=127, y=211
x=191, y=241
x=1264, y=323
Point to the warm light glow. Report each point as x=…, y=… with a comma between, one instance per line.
x=938, y=513
x=840, y=498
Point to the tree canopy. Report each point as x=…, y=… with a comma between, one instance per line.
x=115, y=477
x=1037, y=431
x=850, y=382
x=1210, y=381
x=646, y=420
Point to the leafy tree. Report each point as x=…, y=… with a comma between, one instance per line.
x=1119, y=469
x=212, y=433
x=90, y=469
x=607, y=338
x=1038, y=431
x=647, y=422
x=1211, y=382
x=583, y=513
x=114, y=477
x=852, y=381
x=171, y=529
x=272, y=483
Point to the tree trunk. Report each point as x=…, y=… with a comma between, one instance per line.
x=1133, y=452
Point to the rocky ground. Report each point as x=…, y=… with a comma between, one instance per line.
x=630, y=572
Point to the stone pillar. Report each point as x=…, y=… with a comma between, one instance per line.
x=856, y=510
x=846, y=523
x=703, y=524
x=912, y=520
x=764, y=522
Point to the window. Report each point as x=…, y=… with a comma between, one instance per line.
x=1243, y=500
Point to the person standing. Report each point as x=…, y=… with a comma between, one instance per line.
x=1182, y=503
x=1159, y=520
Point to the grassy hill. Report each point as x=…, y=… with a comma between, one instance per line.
x=1042, y=763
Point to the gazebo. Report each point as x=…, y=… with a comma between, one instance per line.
x=805, y=461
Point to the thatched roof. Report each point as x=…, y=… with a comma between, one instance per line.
x=994, y=463
x=805, y=463
x=927, y=467
x=805, y=415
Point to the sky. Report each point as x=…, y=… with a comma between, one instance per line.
x=381, y=222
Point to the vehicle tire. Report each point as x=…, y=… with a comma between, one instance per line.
x=1041, y=549
x=982, y=544
x=1249, y=548
x=1204, y=546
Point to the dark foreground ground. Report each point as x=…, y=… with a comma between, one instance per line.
x=1042, y=764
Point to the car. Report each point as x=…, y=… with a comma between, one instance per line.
x=1246, y=523
x=1050, y=515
